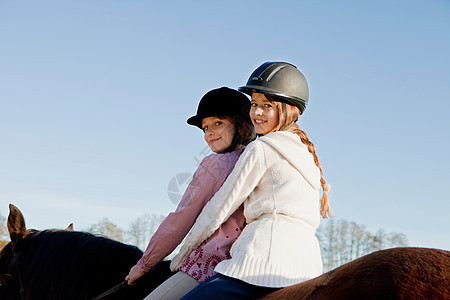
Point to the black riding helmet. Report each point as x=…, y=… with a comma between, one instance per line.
x=281, y=80
x=222, y=102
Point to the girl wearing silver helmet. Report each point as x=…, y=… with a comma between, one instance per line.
x=223, y=115
x=278, y=178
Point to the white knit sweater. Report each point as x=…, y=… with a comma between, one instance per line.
x=279, y=183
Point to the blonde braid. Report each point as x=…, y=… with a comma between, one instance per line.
x=324, y=206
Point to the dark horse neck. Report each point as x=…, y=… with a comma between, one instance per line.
x=79, y=265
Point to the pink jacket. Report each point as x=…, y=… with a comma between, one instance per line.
x=199, y=264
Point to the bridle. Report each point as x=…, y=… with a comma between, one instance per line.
x=15, y=264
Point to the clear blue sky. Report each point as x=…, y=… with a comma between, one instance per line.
x=94, y=97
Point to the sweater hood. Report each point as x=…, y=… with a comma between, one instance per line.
x=296, y=153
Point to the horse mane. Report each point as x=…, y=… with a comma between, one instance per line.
x=82, y=264
x=76, y=247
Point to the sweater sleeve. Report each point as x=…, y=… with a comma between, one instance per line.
x=238, y=186
x=176, y=225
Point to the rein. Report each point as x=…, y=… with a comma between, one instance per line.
x=112, y=290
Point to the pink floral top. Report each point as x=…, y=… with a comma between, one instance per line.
x=200, y=264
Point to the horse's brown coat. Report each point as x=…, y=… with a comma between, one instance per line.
x=397, y=273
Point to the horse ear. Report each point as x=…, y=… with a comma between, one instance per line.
x=70, y=227
x=16, y=224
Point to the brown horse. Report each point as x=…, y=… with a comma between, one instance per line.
x=66, y=264
x=397, y=273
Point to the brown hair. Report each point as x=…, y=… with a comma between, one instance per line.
x=287, y=116
x=244, y=133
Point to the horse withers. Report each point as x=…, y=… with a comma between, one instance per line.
x=65, y=264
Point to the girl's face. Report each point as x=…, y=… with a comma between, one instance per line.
x=264, y=114
x=219, y=133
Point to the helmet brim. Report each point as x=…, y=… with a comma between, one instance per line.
x=288, y=99
x=196, y=121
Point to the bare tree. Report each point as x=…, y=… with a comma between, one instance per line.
x=138, y=234
x=395, y=239
x=107, y=229
x=3, y=230
x=4, y=236
x=141, y=230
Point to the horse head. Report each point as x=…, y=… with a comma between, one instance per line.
x=67, y=264
x=10, y=281
x=7, y=285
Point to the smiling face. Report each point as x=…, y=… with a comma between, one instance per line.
x=219, y=133
x=264, y=114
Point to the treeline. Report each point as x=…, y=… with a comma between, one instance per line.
x=341, y=241
x=138, y=233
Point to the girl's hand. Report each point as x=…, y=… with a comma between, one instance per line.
x=134, y=275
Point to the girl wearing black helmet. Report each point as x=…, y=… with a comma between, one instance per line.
x=223, y=116
x=278, y=178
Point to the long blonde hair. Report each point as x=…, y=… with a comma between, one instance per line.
x=287, y=116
